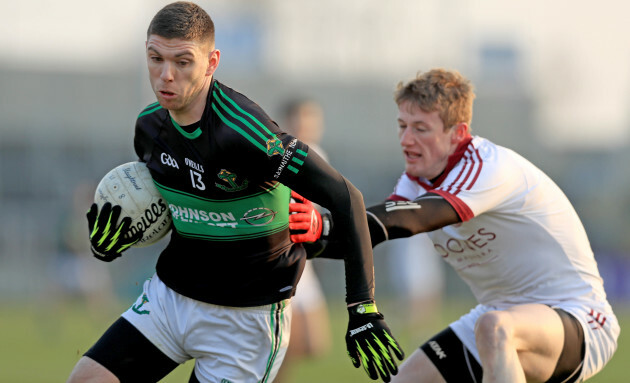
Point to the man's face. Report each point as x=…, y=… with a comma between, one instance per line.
x=307, y=123
x=425, y=144
x=178, y=71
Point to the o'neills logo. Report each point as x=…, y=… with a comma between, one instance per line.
x=151, y=215
x=131, y=178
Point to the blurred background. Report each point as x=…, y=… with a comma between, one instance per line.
x=552, y=82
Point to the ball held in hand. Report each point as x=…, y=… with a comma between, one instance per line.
x=131, y=187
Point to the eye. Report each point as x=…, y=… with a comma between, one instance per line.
x=156, y=59
x=419, y=129
x=183, y=63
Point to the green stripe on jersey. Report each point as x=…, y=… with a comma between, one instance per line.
x=297, y=161
x=242, y=121
x=149, y=109
x=237, y=128
x=271, y=135
x=190, y=136
x=151, y=106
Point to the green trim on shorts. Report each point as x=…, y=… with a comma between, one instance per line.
x=276, y=308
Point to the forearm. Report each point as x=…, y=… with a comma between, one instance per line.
x=359, y=266
x=400, y=219
x=351, y=241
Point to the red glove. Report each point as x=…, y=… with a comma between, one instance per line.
x=305, y=222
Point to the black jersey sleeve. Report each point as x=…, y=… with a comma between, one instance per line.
x=257, y=145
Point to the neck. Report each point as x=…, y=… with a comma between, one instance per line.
x=193, y=112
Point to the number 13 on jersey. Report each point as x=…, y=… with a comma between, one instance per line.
x=195, y=178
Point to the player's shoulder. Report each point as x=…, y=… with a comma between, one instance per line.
x=491, y=162
x=485, y=153
x=151, y=118
x=241, y=123
x=233, y=106
x=408, y=187
x=483, y=148
x=151, y=112
x=491, y=153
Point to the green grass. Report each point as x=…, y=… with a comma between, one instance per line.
x=41, y=341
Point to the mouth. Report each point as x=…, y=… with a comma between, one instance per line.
x=166, y=94
x=410, y=156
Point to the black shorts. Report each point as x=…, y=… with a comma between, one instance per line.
x=129, y=355
x=456, y=363
x=571, y=359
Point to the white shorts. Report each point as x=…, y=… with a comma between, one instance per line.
x=600, y=333
x=233, y=344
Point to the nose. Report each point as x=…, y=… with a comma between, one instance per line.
x=167, y=72
x=406, y=137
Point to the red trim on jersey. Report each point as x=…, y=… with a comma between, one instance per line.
x=472, y=167
x=466, y=178
x=453, y=159
x=462, y=210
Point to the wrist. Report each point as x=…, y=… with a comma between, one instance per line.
x=102, y=256
x=360, y=308
x=326, y=225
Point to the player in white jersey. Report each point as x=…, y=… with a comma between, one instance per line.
x=510, y=233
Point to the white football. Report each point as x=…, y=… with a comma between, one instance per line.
x=130, y=185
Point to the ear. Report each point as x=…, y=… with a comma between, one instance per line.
x=460, y=132
x=213, y=61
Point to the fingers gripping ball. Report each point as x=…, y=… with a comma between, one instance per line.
x=369, y=342
x=131, y=187
x=106, y=236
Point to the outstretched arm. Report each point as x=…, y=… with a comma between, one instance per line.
x=388, y=220
x=399, y=219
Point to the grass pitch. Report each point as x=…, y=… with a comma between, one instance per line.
x=41, y=341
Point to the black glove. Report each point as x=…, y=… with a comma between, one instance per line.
x=368, y=341
x=108, y=240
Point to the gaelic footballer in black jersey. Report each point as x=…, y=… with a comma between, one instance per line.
x=224, y=180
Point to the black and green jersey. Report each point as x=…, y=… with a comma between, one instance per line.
x=226, y=181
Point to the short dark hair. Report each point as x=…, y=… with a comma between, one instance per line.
x=183, y=20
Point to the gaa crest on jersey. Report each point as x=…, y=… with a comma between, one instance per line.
x=274, y=146
x=230, y=178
